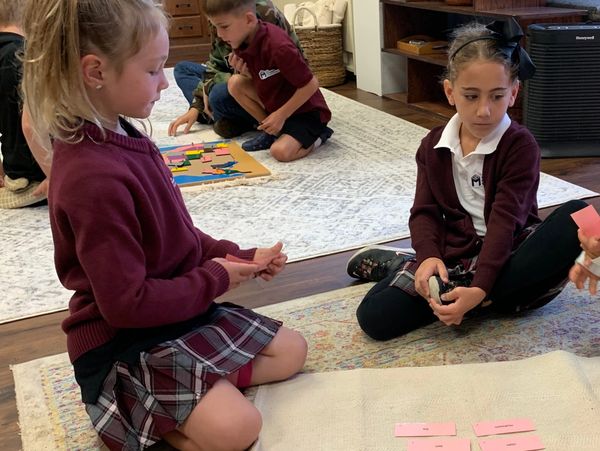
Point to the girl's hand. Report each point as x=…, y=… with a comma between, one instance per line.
x=579, y=275
x=238, y=272
x=465, y=299
x=429, y=267
x=273, y=258
x=590, y=244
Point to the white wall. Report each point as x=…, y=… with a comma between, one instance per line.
x=281, y=3
x=348, y=31
x=376, y=72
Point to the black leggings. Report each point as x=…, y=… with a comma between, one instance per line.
x=540, y=264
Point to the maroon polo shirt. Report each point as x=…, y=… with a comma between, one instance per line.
x=278, y=69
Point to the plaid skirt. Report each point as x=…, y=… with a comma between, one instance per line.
x=140, y=403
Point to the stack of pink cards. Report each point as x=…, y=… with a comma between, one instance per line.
x=481, y=429
x=516, y=443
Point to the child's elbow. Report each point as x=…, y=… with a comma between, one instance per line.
x=314, y=83
x=26, y=126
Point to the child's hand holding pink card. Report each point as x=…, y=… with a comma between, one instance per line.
x=588, y=220
x=232, y=258
x=272, y=259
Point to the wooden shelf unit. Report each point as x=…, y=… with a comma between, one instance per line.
x=437, y=19
x=189, y=35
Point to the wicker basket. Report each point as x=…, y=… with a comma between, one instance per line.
x=322, y=45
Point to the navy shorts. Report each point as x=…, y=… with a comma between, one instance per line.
x=304, y=127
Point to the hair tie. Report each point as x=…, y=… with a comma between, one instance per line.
x=508, y=35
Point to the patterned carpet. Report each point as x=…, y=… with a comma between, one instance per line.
x=51, y=416
x=355, y=190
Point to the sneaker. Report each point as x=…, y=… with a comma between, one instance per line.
x=376, y=262
x=259, y=142
x=325, y=135
x=227, y=128
x=437, y=287
x=21, y=197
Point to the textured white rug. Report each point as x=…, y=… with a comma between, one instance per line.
x=355, y=190
x=357, y=409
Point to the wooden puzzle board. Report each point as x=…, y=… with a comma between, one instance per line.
x=193, y=172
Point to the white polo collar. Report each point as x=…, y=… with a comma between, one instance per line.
x=450, y=138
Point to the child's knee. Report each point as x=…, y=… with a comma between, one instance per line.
x=282, y=152
x=239, y=430
x=368, y=321
x=573, y=205
x=236, y=84
x=278, y=152
x=235, y=431
x=291, y=350
x=298, y=350
x=375, y=320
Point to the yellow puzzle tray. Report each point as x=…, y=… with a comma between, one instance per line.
x=208, y=162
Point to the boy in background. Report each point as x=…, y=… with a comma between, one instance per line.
x=22, y=181
x=272, y=82
x=205, y=85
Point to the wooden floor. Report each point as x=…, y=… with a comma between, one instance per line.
x=29, y=339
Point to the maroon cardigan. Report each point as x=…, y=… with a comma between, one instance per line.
x=440, y=227
x=124, y=241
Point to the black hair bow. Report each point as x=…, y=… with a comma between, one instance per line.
x=508, y=33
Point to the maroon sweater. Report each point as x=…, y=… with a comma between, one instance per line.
x=124, y=241
x=440, y=227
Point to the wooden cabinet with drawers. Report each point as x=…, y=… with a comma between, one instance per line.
x=189, y=34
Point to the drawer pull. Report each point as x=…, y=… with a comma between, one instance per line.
x=183, y=5
x=186, y=27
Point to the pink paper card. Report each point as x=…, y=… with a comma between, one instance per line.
x=220, y=151
x=424, y=429
x=188, y=148
x=206, y=159
x=528, y=443
x=447, y=444
x=588, y=220
x=503, y=426
x=233, y=258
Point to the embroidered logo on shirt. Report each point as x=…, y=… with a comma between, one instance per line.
x=476, y=181
x=266, y=73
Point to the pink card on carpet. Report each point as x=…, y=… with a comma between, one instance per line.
x=220, y=151
x=446, y=444
x=528, y=443
x=503, y=426
x=206, y=159
x=424, y=429
x=588, y=220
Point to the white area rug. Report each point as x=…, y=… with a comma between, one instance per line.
x=355, y=190
x=357, y=409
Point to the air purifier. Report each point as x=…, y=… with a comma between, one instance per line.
x=561, y=104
